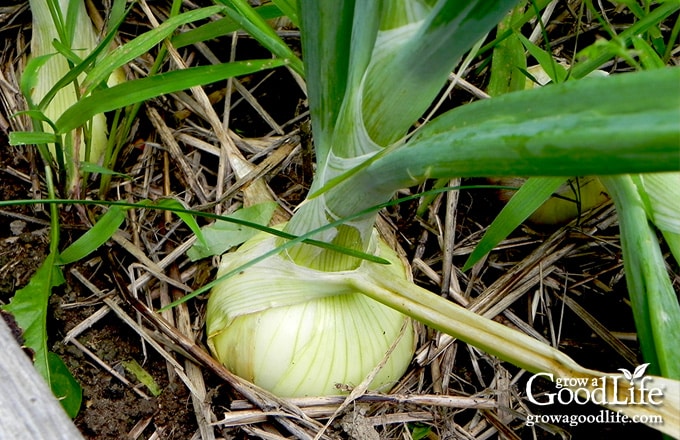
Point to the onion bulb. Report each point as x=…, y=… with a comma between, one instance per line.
x=297, y=331
x=576, y=196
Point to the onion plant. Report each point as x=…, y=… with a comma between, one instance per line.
x=63, y=35
x=309, y=317
x=372, y=70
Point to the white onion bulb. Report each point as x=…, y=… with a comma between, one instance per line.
x=302, y=332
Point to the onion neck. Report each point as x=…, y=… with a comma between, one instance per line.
x=316, y=213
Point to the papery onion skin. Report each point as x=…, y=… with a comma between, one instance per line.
x=312, y=347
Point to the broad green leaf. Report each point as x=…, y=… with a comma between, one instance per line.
x=64, y=386
x=99, y=234
x=414, y=70
x=613, y=125
x=221, y=236
x=135, y=91
x=527, y=200
x=29, y=307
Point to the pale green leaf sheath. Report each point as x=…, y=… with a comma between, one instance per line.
x=84, y=40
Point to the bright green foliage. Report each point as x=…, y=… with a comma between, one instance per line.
x=139, y=90
x=527, y=200
x=29, y=307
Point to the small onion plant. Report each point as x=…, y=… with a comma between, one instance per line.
x=308, y=318
x=62, y=36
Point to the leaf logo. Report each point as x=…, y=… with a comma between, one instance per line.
x=637, y=373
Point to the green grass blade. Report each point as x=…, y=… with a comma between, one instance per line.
x=649, y=59
x=517, y=23
x=185, y=215
x=654, y=301
x=527, y=200
x=142, y=44
x=556, y=72
x=289, y=9
x=135, y=91
x=116, y=19
x=89, y=167
x=172, y=208
x=253, y=23
x=96, y=236
x=142, y=376
x=32, y=138
x=597, y=59
x=219, y=28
